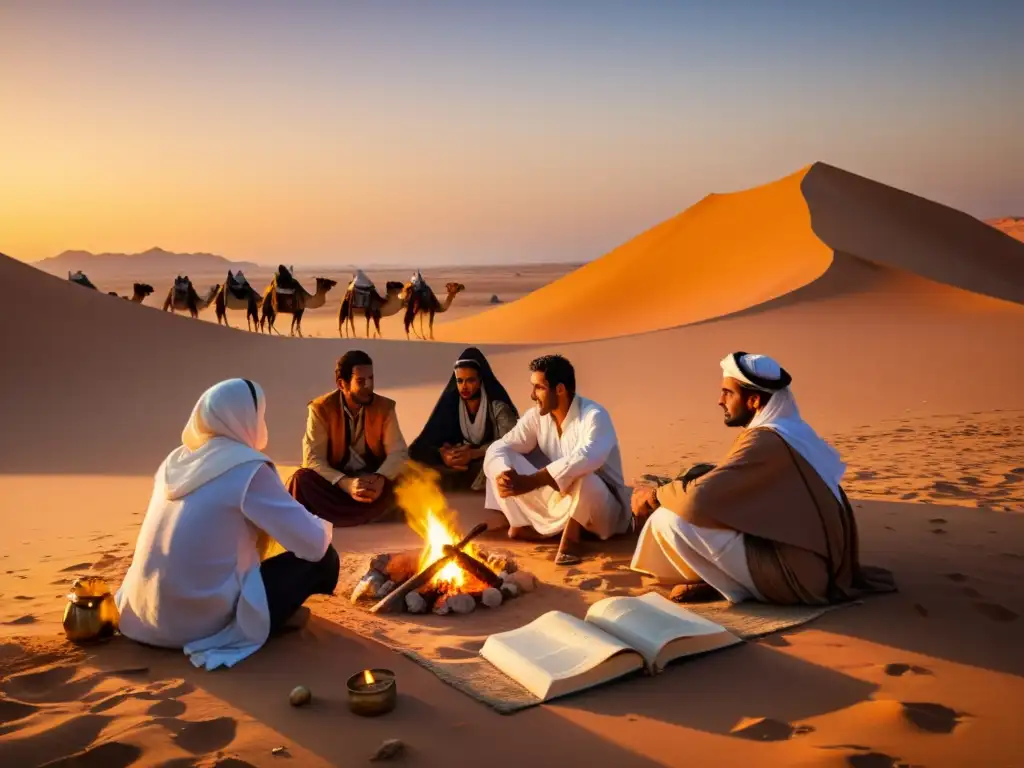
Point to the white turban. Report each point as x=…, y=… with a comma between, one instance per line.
x=227, y=428
x=781, y=414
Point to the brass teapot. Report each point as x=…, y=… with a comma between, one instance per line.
x=91, y=613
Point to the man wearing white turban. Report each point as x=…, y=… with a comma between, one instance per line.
x=770, y=522
x=196, y=581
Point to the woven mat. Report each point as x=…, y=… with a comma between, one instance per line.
x=476, y=677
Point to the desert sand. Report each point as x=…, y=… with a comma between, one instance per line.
x=900, y=321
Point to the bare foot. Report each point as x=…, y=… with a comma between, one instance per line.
x=525, y=533
x=694, y=592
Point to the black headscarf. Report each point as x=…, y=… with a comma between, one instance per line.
x=443, y=424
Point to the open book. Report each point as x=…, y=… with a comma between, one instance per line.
x=557, y=654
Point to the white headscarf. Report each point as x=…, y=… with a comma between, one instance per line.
x=226, y=429
x=474, y=429
x=782, y=415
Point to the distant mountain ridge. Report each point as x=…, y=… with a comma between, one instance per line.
x=144, y=262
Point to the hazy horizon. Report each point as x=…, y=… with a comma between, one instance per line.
x=400, y=134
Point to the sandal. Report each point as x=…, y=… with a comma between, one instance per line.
x=696, y=592
x=567, y=558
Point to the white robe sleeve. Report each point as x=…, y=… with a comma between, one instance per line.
x=269, y=506
x=596, y=441
x=522, y=438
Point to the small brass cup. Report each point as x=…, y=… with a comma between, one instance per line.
x=372, y=699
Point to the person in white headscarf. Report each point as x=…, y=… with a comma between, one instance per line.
x=771, y=522
x=196, y=581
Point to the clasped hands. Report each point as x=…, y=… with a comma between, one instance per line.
x=511, y=483
x=365, y=488
x=457, y=457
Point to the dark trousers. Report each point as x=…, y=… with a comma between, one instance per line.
x=328, y=502
x=290, y=580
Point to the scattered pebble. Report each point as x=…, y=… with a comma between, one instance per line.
x=414, y=603
x=388, y=749
x=524, y=580
x=300, y=696
x=491, y=597
x=509, y=590
x=461, y=603
x=279, y=750
x=385, y=589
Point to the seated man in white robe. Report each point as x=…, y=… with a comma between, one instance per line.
x=769, y=523
x=576, y=484
x=196, y=581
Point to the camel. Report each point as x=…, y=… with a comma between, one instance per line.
x=139, y=293
x=424, y=302
x=79, y=278
x=182, y=297
x=237, y=293
x=376, y=307
x=294, y=302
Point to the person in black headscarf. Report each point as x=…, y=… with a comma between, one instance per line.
x=473, y=411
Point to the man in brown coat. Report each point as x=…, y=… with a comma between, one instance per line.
x=770, y=522
x=353, y=449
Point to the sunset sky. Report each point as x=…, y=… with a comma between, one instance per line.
x=434, y=132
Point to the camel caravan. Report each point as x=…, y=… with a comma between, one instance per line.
x=415, y=301
x=139, y=290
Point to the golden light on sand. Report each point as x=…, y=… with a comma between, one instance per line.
x=427, y=513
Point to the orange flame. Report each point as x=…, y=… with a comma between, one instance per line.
x=368, y=677
x=418, y=492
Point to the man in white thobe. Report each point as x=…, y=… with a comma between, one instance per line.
x=559, y=470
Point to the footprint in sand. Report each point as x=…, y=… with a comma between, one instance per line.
x=957, y=577
x=112, y=754
x=875, y=760
x=767, y=729
x=972, y=593
x=202, y=736
x=22, y=597
x=14, y=710
x=168, y=708
x=938, y=530
x=921, y=610
x=909, y=496
x=899, y=669
x=995, y=612
x=21, y=620
x=933, y=718
x=76, y=567
x=589, y=585
x=937, y=520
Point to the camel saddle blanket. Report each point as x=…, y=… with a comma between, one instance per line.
x=181, y=292
x=239, y=290
x=286, y=301
x=361, y=297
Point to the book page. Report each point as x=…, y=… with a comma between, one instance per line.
x=555, y=648
x=649, y=622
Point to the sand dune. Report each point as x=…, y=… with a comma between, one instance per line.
x=901, y=355
x=731, y=252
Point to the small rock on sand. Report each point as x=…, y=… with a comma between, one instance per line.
x=524, y=580
x=441, y=606
x=509, y=590
x=415, y=603
x=461, y=603
x=385, y=589
x=491, y=597
x=389, y=749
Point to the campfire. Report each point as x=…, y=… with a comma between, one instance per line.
x=450, y=573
